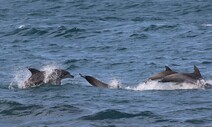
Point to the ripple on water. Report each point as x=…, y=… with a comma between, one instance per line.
x=13, y=108
x=114, y=114
x=66, y=32
x=29, y=30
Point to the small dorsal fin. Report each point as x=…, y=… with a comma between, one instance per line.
x=33, y=70
x=197, y=72
x=168, y=69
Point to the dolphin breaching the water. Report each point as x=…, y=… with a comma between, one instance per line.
x=184, y=77
x=42, y=77
x=162, y=74
x=95, y=82
x=171, y=76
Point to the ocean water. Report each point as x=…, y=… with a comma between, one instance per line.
x=118, y=42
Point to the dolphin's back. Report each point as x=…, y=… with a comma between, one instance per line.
x=162, y=74
x=178, y=77
x=36, y=78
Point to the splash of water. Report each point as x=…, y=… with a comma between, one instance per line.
x=155, y=85
x=22, y=75
x=49, y=69
x=114, y=84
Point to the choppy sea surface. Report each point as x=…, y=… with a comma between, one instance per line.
x=118, y=42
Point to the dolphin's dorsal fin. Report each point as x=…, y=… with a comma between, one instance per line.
x=168, y=69
x=197, y=72
x=33, y=70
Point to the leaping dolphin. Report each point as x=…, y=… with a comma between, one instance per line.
x=40, y=77
x=184, y=77
x=95, y=82
x=163, y=74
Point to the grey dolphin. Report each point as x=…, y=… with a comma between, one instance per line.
x=95, y=82
x=184, y=77
x=162, y=74
x=39, y=77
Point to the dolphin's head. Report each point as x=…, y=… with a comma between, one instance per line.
x=63, y=74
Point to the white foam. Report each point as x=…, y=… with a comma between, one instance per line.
x=209, y=81
x=155, y=85
x=20, y=76
x=114, y=83
x=24, y=26
x=49, y=69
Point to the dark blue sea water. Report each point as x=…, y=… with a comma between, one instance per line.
x=118, y=42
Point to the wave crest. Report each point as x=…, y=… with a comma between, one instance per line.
x=114, y=114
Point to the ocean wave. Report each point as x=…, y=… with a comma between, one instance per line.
x=64, y=107
x=114, y=114
x=207, y=62
x=74, y=63
x=29, y=30
x=139, y=36
x=13, y=108
x=189, y=34
x=63, y=31
x=155, y=27
x=198, y=121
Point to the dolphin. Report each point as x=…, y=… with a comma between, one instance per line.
x=162, y=74
x=95, y=82
x=184, y=77
x=41, y=77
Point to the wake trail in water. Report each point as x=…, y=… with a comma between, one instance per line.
x=155, y=85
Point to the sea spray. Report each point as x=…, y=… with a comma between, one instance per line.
x=19, y=77
x=115, y=83
x=22, y=75
x=155, y=85
x=49, y=69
